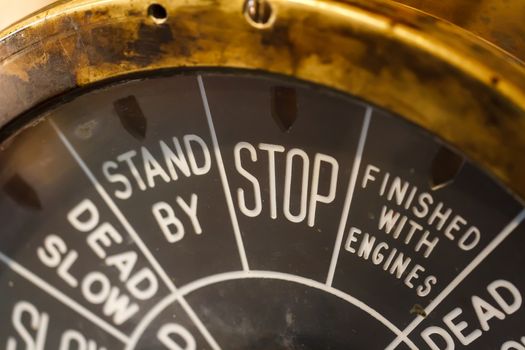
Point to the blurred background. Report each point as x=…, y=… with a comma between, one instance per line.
x=13, y=11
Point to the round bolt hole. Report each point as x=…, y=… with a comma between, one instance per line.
x=157, y=13
x=258, y=12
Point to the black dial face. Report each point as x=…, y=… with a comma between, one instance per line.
x=237, y=211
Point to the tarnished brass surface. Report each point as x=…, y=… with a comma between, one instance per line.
x=501, y=22
x=445, y=79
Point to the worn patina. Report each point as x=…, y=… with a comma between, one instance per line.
x=433, y=73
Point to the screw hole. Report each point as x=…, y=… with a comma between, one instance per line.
x=157, y=13
x=258, y=12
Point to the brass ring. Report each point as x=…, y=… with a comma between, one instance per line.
x=443, y=78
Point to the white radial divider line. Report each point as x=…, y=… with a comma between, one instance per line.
x=252, y=274
x=224, y=178
x=115, y=210
x=134, y=235
x=507, y=230
x=349, y=196
x=63, y=298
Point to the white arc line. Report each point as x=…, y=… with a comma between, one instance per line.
x=349, y=196
x=507, y=230
x=134, y=235
x=252, y=274
x=62, y=298
x=224, y=179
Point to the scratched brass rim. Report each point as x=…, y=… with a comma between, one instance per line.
x=448, y=81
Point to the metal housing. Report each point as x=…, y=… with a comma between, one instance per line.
x=435, y=74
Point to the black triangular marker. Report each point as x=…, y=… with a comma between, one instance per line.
x=131, y=116
x=284, y=107
x=22, y=193
x=445, y=167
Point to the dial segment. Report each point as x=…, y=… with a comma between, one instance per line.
x=411, y=233
x=173, y=174
x=38, y=320
x=298, y=193
x=215, y=211
x=485, y=305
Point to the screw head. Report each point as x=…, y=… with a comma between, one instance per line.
x=259, y=13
